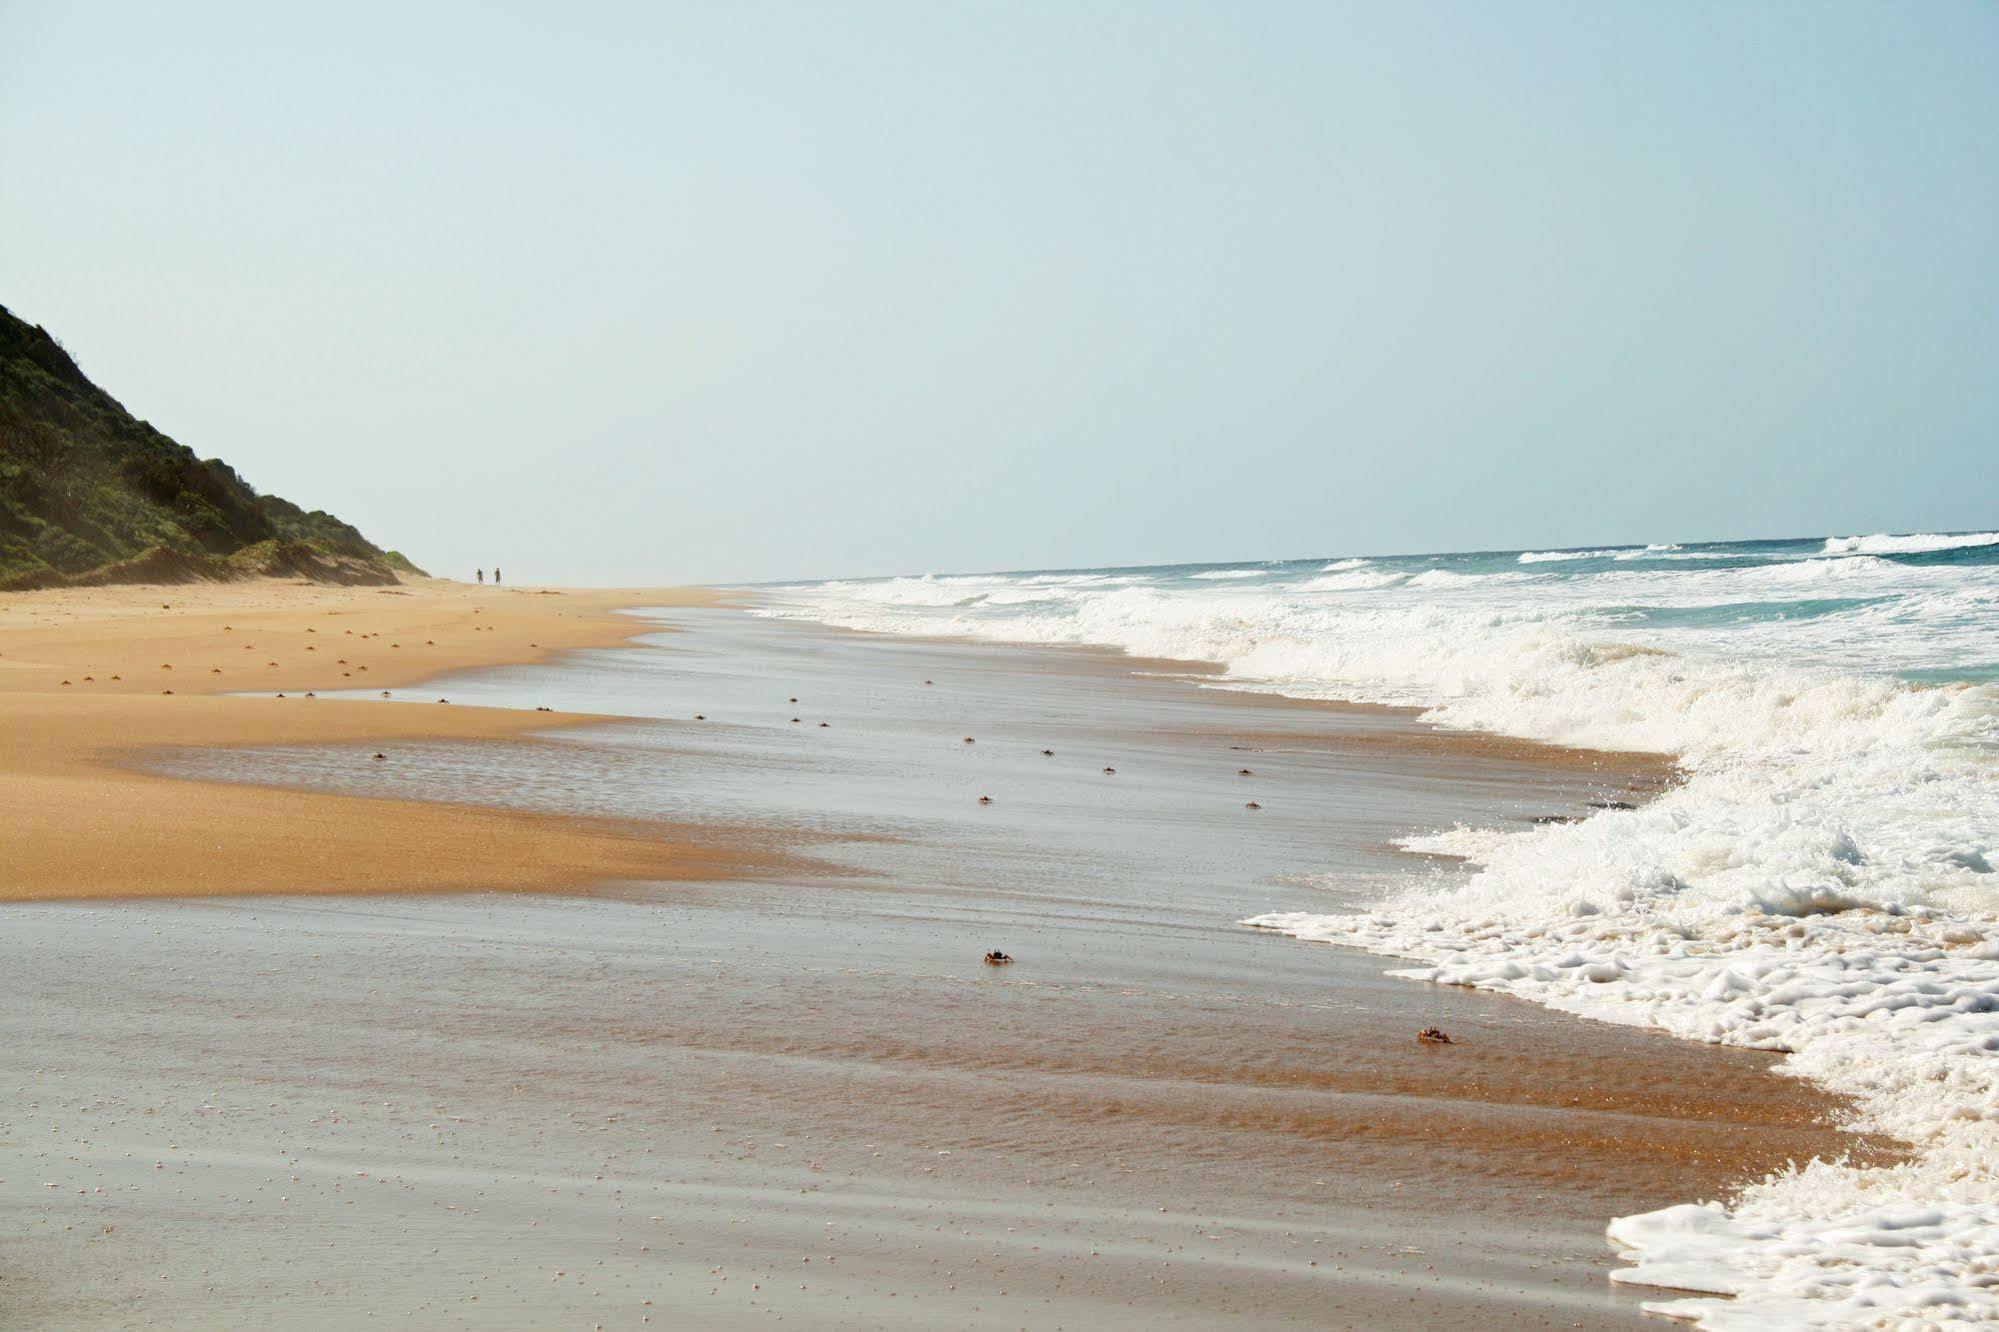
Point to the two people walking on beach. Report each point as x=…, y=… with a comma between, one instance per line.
x=496, y=575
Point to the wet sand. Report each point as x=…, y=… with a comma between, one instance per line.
x=804, y=1096
x=89, y=674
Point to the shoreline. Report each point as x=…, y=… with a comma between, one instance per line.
x=1649, y=773
x=1188, y=1036
x=1814, y=885
x=72, y=760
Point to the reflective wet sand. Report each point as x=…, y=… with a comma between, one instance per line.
x=808, y=1098
x=89, y=674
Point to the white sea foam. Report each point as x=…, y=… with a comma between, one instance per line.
x=1824, y=883
x=1452, y=578
x=1071, y=580
x=1854, y=569
x=1675, y=553
x=1351, y=580
x=1653, y=552
x=1221, y=575
x=1883, y=544
x=1560, y=556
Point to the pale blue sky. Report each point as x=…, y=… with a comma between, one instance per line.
x=610, y=293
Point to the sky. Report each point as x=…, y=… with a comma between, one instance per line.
x=617, y=294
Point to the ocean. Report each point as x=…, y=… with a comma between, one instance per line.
x=1821, y=883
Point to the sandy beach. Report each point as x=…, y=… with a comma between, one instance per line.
x=91, y=675
x=726, y=1084
x=1174, y=666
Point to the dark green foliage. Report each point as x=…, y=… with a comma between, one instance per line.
x=90, y=495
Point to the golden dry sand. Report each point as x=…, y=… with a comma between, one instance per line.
x=88, y=675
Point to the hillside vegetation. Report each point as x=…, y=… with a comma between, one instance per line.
x=89, y=494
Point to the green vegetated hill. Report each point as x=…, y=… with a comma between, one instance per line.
x=88, y=494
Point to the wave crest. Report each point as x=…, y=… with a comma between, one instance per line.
x=1561, y=556
x=1881, y=543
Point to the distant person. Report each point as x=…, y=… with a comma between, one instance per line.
x=496, y=575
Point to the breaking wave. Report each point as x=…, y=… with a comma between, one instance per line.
x=1922, y=543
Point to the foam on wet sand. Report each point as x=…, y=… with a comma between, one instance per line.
x=1820, y=885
